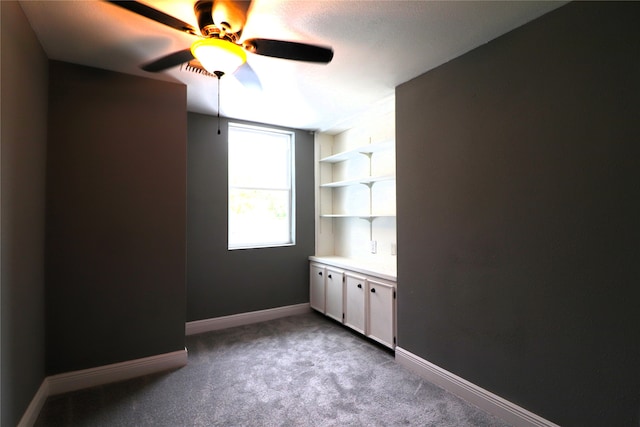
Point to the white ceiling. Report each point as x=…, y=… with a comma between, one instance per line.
x=377, y=46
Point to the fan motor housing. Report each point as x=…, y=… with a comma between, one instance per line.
x=221, y=18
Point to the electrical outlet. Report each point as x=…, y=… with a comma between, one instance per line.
x=373, y=246
x=394, y=249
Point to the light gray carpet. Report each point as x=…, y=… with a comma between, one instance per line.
x=298, y=371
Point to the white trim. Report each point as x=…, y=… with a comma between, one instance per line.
x=217, y=323
x=76, y=380
x=85, y=378
x=483, y=399
x=33, y=410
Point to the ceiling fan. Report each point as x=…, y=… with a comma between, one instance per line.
x=219, y=49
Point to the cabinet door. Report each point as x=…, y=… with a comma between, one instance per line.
x=382, y=310
x=334, y=293
x=316, y=291
x=354, y=310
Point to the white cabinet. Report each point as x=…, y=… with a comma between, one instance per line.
x=354, y=313
x=355, y=224
x=326, y=293
x=317, y=292
x=363, y=302
x=334, y=293
x=382, y=313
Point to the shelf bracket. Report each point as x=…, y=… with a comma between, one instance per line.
x=369, y=155
x=369, y=219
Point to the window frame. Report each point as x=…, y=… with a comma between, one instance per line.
x=291, y=188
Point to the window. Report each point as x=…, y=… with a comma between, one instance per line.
x=260, y=187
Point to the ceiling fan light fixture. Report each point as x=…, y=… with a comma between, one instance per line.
x=218, y=55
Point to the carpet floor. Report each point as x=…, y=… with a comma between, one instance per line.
x=302, y=370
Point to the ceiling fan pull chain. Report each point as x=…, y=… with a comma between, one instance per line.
x=219, y=74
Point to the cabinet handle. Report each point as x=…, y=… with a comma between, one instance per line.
x=373, y=290
x=360, y=285
x=329, y=276
x=320, y=273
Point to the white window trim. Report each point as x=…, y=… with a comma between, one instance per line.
x=292, y=189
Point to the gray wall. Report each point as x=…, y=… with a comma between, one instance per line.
x=518, y=215
x=116, y=217
x=222, y=282
x=24, y=133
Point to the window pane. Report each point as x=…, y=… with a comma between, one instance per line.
x=259, y=159
x=258, y=217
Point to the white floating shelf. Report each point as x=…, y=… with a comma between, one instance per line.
x=366, y=216
x=365, y=180
x=367, y=149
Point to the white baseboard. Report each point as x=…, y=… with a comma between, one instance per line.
x=217, y=323
x=85, y=378
x=76, y=380
x=470, y=392
x=33, y=410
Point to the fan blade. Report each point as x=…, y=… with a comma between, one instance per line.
x=248, y=77
x=156, y=15
x=289, y=50
x=168, y=61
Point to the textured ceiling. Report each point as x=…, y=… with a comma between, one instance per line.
x=378, y=45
